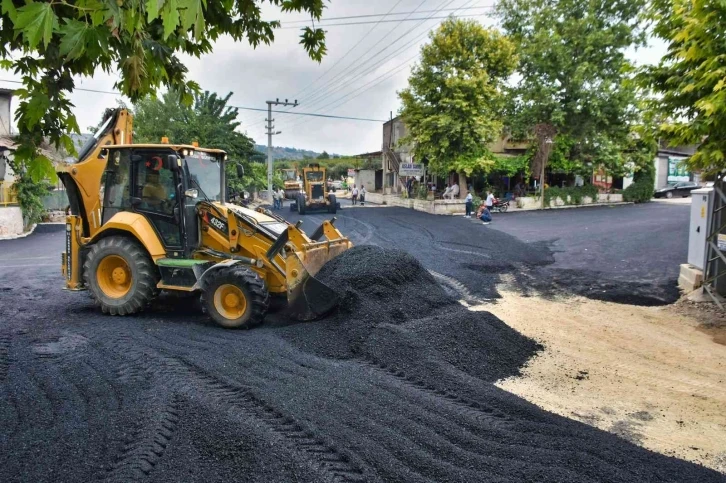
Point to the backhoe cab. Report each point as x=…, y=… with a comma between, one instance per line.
x=314, y=196
x=151, y=217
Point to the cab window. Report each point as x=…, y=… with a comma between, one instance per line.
x=115, y=185
x=153, y=183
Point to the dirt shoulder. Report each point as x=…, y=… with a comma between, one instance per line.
x=653, y=375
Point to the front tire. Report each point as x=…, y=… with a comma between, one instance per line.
x=120, y=275
x=333, y=206
x=504, y=208
x=669, y=195
x=235, y=297
x=301, y=205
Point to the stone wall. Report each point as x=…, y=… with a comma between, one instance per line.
x=11, y=221
x=437, y=207
x=528, y=203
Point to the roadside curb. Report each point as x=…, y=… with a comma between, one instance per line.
x=21, y=235
x=566, y=207
x=39, y=228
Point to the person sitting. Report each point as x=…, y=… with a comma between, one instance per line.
x=454, y=191
x=154, y=194
x=447, y=192
x=484, y=214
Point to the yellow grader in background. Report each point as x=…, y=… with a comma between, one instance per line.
x=314, y=195
x=151, y=217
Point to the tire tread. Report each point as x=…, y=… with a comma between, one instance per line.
x=147, y=275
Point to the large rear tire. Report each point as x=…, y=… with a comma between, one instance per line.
x=333, y=206
x=301, y=204
x=235, y=297
x=120, y=275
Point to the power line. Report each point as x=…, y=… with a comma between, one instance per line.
x=320, y=22
x=393, y=20
x=386, y=75
x=338, y=83
x=317, y=89
x=75, y=89
x=314, y=96
x=115, y=93
x=348, y=52
x=363, y=37
x=309, y=114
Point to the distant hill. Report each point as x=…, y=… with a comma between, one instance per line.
x=279, y=152
x=80, y=139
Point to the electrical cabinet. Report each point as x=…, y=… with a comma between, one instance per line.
x=700, y=226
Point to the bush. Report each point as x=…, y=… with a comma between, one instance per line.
x=570, y=195
x=640, y=191
x=29, y=194
x=421, y=191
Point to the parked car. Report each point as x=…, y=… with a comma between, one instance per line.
x=682, y=188
x=335, y=185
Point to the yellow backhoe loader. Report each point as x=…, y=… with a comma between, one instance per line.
x=151, y=217
x=314, y=195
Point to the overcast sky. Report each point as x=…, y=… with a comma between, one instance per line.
x=361, y=82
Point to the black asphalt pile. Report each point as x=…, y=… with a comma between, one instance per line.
x=394, y=386
x=393, y=311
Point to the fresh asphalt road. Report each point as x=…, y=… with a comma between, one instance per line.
x=165, y=396
x=624, y=253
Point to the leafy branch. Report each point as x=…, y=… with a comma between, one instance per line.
x=47, y=43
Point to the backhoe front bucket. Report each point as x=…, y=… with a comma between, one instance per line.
x=309, y=298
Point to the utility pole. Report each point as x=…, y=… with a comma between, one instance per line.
x=270, y=133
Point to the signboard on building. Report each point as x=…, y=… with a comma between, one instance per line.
x=677, y=170
x=411, y=169
x=351, y=173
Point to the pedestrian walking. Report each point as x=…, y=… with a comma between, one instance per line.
x=362, y=195
x=275, y=200
x=469, y=205
x=281, y=197
x=354, y=195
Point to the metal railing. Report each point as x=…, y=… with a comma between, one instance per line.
x=7, y=195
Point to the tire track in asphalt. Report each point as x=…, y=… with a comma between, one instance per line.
x=146, y=446
x=469, y=407
x=436, y=243
x=458, y=289
x=332, y=464
x=5, y=342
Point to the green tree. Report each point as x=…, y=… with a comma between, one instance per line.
x=209, y=121
x=574, y=75
x=454, y=98
x=48, y=42
x=690, y=81
x=323, y=155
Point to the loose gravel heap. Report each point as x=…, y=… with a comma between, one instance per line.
x=394, y=386
x=392, y=309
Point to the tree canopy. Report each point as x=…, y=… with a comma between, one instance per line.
x=574, y=74
x=209, y=121
x=453, y=102
x=49, y=42
x=689, y=84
